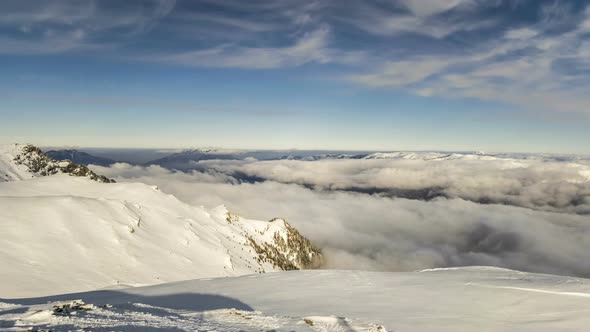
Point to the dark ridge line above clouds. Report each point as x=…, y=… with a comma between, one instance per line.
x=79, y=157
x=183, y=157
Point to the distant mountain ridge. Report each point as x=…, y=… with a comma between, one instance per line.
x=79, y=157
x=189, y=159
x=183, y=159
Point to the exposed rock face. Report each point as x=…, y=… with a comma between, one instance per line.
x=293, y=253
x=39, y=163
x=281, y=246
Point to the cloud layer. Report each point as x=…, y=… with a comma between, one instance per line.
x=536, y=183
x=362, y=231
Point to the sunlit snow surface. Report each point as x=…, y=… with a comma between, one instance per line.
x=462, y=299
x=63, y=234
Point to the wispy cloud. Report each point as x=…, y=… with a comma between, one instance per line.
x=311, y=47
x=521, y=67
x=73, y=26
x=226, y=21
x=436, y=19
x=433, y=7
x=489, y=50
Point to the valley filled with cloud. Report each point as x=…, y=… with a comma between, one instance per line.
x=406, y=212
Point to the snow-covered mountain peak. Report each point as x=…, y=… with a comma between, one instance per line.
x=25, y=161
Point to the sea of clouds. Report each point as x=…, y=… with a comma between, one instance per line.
x=405, y=214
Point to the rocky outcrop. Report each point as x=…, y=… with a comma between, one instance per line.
x=280, y=245
x=38, y=163
x=288, y=250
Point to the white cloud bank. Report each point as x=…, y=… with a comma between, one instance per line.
x=381, y=233
x=540, y=184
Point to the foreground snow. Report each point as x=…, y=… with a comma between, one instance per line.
x=462, y=299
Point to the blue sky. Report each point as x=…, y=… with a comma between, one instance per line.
x=321, y=74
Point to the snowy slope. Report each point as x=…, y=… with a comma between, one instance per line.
x=462, y=299
x=63, y=233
